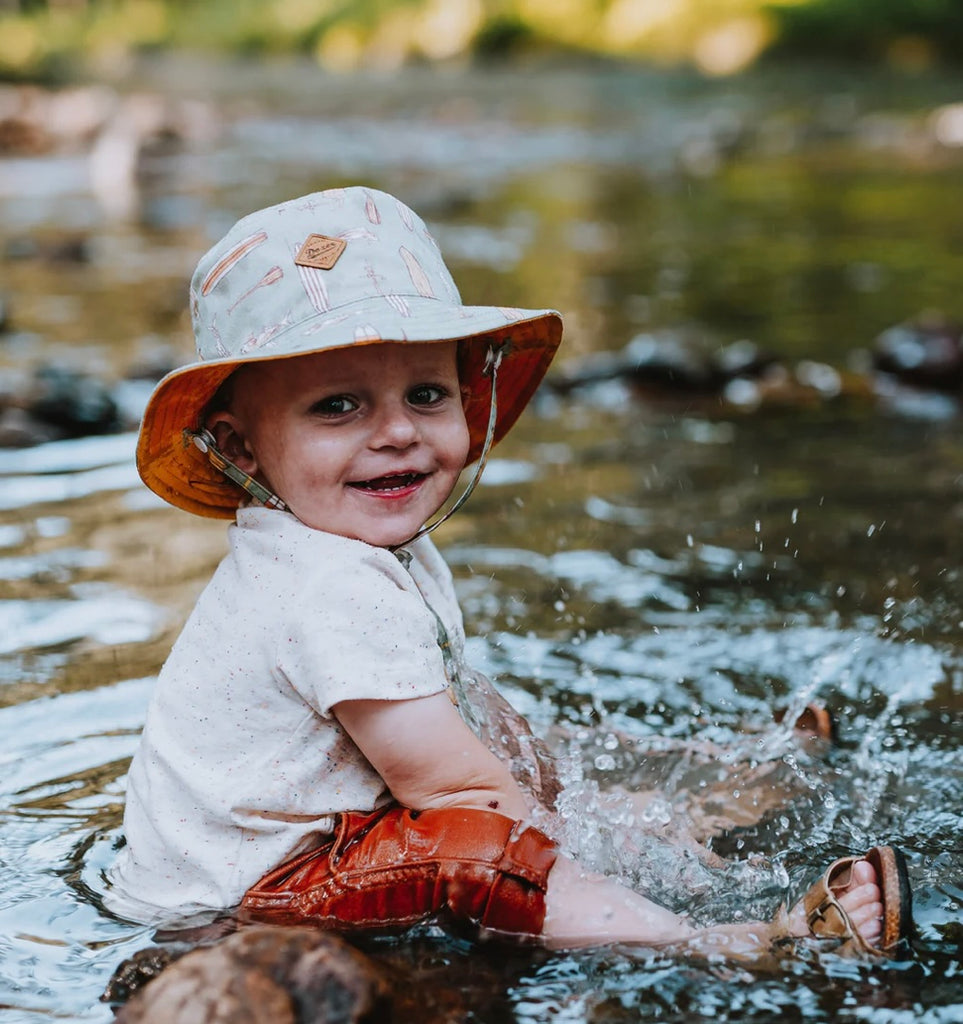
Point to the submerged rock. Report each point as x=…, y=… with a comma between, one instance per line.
x=260, y=974
x=926, y=353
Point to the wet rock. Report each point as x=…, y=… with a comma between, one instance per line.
x=139, y=970
x=54, y=404
x=670, y=364
x=22, y=137
x=72, y=402
x=131, y=157
x=71, y=248
x=738, y=377
x=743, y=359
x=35, y=120
x=262, y=974
x=128, y=140
x=22, y=128
x=927, y=353
x=18, y=429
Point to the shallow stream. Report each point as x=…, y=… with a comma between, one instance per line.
x=644, y=579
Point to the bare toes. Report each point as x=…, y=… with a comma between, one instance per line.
x=862, y=901
x=868, y=921
x=863, y=872
x=857, y=896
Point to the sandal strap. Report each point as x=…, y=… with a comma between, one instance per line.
x=824, y=914
x=826, y=918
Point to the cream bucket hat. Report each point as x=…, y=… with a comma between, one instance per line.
x=344, y=267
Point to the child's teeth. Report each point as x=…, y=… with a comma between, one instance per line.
x=389, y=483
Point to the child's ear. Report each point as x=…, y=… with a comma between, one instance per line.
x=229, y=436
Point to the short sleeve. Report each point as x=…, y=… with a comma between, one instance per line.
x=364, y=633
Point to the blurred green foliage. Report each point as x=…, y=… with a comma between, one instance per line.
x=900, y=31
x=47, y=39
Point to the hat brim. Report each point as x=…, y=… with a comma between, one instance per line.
x=174, y=469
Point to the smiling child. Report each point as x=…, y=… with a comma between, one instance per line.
x=304, y=757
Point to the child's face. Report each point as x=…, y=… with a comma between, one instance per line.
x=365, y=442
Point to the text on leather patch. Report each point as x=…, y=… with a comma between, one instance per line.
x=320, y=252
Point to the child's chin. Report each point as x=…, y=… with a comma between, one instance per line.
x=389, y=540
x=378, y=538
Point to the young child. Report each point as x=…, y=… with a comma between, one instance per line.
x=306, y=755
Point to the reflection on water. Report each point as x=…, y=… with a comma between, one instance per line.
x=646, y=584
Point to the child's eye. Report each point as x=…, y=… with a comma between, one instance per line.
x=334, y=405
x=426, y=394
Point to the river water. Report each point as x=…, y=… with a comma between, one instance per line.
x=645, y=578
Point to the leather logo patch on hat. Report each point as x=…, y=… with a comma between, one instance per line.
x=320, y=252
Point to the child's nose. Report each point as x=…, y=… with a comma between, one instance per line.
x=395, y=428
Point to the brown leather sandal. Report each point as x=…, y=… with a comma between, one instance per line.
x=818, y=722
x=827, y=919
x=814, y=722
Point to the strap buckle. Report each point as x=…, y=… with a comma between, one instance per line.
x=203, y=440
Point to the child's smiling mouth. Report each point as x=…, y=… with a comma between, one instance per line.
x=392, y=483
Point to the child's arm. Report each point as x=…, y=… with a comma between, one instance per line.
x=428, y=757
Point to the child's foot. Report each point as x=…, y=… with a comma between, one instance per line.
x=860, y=898
x=866, y=900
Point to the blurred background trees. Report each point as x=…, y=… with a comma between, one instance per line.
x=57, y=39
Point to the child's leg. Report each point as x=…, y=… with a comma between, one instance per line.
x=713, y=789
x=589, y=910
x=396, y=867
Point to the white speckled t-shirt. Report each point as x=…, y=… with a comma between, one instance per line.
x=241, y=763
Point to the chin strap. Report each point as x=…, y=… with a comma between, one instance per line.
x=493, y=360
x=205, y=442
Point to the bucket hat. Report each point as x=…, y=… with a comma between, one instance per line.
x=329, y=270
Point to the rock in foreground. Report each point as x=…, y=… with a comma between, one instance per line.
x=265, y=975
